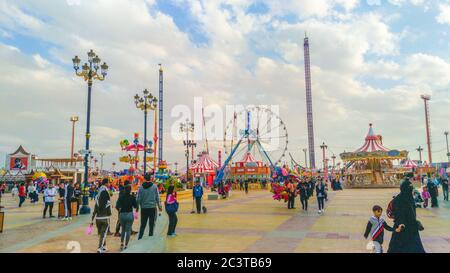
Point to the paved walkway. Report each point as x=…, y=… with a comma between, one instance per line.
x=243, y=223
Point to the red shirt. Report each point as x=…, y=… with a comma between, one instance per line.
x=22, y=191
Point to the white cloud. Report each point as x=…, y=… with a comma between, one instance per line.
x=239, y=65
x=444, y=14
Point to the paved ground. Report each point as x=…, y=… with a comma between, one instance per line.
x=243, y=223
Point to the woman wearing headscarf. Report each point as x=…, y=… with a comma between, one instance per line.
x=404, y=212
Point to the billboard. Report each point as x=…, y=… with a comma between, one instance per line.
x=18, y=163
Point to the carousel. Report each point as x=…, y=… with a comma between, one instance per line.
x=371, y=166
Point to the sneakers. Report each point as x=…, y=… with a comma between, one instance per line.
x=100, y=250
x=320, y=211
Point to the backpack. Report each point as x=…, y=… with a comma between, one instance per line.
x=390, y=209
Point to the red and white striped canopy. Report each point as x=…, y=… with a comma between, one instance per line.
x=248, y=158
x=409, y=164
x=204, y=164
x=373, y=143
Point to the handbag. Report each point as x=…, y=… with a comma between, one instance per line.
x=171, y=208
x=420, y=226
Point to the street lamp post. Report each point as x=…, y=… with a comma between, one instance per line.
x=73, y=119
x=420, y=149
x=325, y=168
x=448, y=152
x=187, y=127
x=306, y=159
x=145, y=103
x=90, y=72
x=101, y=161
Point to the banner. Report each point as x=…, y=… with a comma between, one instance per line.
x=18, y=163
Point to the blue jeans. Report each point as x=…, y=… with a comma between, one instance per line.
x=21, y=200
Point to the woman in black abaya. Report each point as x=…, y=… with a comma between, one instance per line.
x=408, y=240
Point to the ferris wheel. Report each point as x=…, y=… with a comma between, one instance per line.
x=262, y=130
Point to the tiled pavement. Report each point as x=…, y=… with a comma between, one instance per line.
x=243, y=223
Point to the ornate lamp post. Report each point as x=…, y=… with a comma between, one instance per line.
x=101, y=161
x=73, y=119
x=90, y=72
x=420, y=149
x=325, y=169
x=306, y=162
x=187, y=127
x=145, y=103
x=448, y=152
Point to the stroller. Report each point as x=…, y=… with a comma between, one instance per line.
x=417, y=198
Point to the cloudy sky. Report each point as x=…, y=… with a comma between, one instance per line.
x=371, y=60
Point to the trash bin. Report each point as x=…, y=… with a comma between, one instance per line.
x=74, y=206
x=2, y=218
x=61, y=210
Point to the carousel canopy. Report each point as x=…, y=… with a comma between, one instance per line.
x=373, y=143
x=205, y=164
x=409, y=164
x=373, y=149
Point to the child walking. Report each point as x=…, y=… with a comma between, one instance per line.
x=425, y=196
x=375, y=227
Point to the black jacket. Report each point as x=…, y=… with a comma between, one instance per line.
x=126, y=203
x=102, y=209
x=303, y=189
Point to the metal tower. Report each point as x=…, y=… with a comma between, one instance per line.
x=160, y=107
x=312, y=157
x=426, y=98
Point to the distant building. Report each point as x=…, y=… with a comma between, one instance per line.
x=21, y=165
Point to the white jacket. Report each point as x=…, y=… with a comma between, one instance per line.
x=49, y=195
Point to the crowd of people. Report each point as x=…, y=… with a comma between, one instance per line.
x=146, y=205
x=305, y=189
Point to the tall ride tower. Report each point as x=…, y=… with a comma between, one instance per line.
x=426, y=98
x=160, y=108
x=309, y=110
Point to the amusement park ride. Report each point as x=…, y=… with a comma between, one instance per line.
x=371, y=166
x=265, y=136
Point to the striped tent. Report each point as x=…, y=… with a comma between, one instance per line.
x=249, y=160
x=409, y=164
x=204, y=165
x=373, y=143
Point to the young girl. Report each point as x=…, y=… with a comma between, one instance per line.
x=425, y=195
x=171, y=200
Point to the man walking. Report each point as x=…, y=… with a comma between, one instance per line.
x=302, y=188
x=22, y=194
x=444, y=181
x=291, y=194
x=320, y=192
x=147, y=200
x=102, y=214
x=197, y=194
